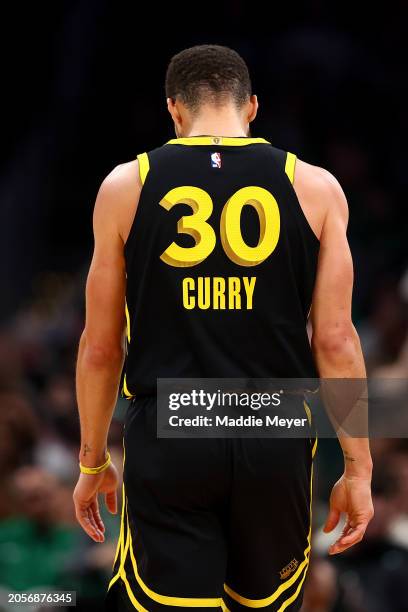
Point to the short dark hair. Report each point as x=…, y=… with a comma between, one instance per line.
x=208, y=73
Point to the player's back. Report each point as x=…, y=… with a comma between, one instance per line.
x=220, y=264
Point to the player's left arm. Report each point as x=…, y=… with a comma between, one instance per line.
x=101, y=348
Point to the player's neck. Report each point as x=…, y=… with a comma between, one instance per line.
x=218, y=122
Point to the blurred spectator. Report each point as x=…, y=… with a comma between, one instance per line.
x=10, y=362
x=19, y=432
x=321, y=587
x=35, y=545
x=373, y=574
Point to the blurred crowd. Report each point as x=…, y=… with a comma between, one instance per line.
x=41, y=546
x=329, y=92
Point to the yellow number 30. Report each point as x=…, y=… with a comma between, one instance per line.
x=230, y=228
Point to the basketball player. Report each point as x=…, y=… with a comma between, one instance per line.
x=209, y=252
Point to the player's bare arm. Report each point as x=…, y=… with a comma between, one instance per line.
x=335, y=342
x=101, y=348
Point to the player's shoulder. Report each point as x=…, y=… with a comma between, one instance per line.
x=316, y=178
x=122, y=180
x=317, y=184
x=123, y=183
x=118, y=198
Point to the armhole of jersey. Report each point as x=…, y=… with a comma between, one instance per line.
x=290, y=166
x=144, y=166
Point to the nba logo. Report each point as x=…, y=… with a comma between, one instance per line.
x=215, y=160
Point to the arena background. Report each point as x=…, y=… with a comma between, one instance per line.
x=82, y=90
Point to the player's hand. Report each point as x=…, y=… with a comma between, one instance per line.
x=351, y=495
x=86, y=500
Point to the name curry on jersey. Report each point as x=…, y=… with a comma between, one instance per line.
x=217, y=292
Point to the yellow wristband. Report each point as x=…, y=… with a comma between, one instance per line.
x=96, y=470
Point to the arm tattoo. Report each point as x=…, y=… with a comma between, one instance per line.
x=87, y=449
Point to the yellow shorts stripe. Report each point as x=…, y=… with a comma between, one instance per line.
x=121, y=573
x=183, y=602
x=309, y=418
x=290, y=166
x=121, y=534
x=292, y=598
x=114, y=579
x=308, y=412
x=267, y=601
x=121, y=545
x=129, y=591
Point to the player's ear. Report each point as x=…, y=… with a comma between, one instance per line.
x=174, y=111
x=252, y=108
x=171, y=107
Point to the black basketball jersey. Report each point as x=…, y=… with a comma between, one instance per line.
x=221, y=264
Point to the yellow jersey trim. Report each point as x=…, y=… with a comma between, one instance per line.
x=126, y=391
x=290, y=166
x=127, y=322
x=144, y=166
x=226, y=141
x=125, y=388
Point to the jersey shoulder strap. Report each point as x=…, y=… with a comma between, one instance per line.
x=290, y=164
x=284, y=161
x=144, y=166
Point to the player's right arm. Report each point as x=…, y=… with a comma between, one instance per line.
x=335, y=342
x=101, y=348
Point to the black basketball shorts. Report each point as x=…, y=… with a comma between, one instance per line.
x=216, y=524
